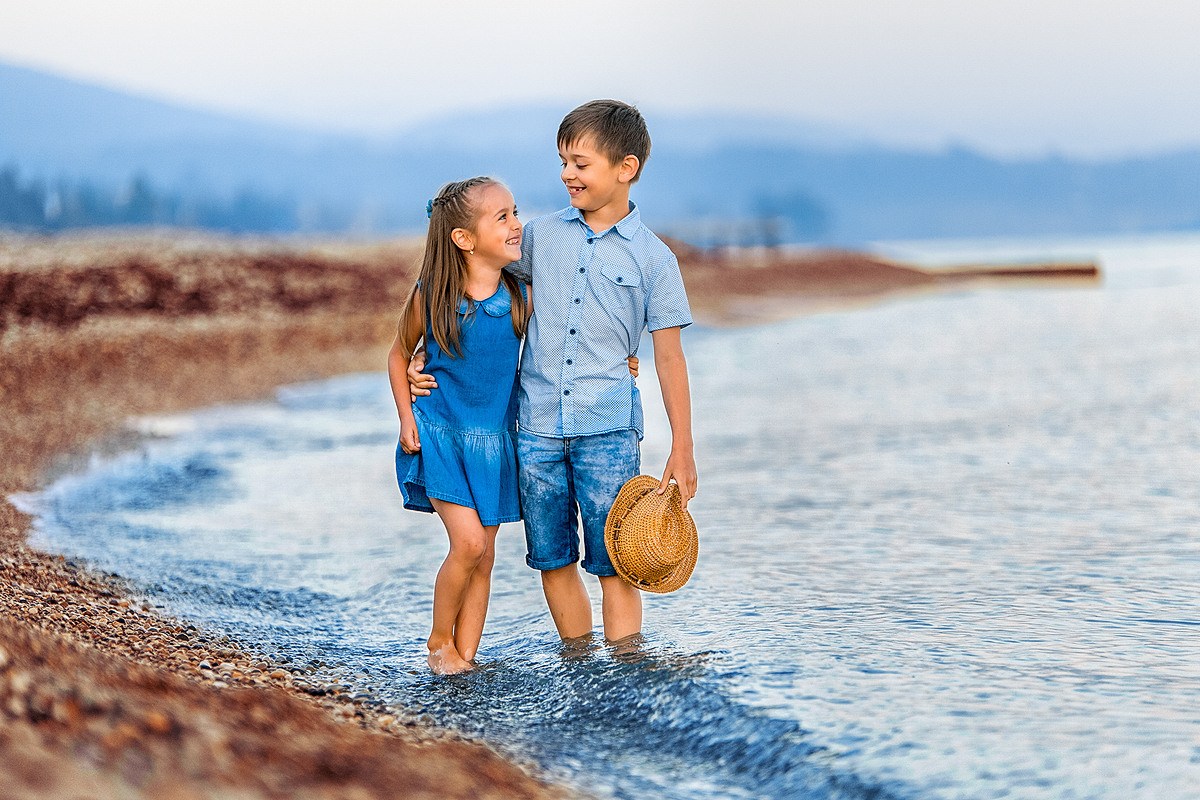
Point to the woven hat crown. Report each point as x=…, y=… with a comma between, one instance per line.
x=650, y=537
x=654, y=535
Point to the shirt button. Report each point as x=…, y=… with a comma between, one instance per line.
x=582, y=270
x=572, y=331
x=576, y=299
x=620, y=279
x=566, y=391
x=569, y=361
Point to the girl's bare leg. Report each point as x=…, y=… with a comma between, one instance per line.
x=468, y=628
x=468, y=543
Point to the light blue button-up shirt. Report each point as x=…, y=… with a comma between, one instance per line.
x=593, y=296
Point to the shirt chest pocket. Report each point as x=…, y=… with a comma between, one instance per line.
x=622, y=276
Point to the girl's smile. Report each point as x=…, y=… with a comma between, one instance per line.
x=497, y=234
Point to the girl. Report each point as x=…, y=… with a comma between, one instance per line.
x=457, y=453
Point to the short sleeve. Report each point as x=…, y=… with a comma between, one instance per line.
x=523, y=269
x=666, y=300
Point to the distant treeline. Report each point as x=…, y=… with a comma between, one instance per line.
x=34, y=205
x=769, y=221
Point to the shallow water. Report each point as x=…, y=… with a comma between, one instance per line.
x=950, y=547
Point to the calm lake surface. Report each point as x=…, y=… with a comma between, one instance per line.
x=950, y=548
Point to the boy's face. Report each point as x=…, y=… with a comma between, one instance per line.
x=592, y=181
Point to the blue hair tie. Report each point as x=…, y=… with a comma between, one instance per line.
x=429, y=210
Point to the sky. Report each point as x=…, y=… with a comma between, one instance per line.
x=1091, y=78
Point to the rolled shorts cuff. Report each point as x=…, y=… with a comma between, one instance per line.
x=599, y=570
x=546, y=566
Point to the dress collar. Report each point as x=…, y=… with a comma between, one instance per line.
x=497, y=305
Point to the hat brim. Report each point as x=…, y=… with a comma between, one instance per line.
x=634, y=490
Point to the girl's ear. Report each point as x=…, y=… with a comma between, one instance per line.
x=462, y=239
x=628, y=168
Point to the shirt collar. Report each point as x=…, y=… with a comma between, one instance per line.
x=627, y=227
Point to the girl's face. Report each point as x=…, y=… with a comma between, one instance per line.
x=497, y=234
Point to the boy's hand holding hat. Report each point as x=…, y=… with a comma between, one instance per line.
x=651, y=539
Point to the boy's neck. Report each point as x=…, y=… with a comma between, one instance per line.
x=603, y=218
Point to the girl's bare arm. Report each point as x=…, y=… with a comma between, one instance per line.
x=408, y=336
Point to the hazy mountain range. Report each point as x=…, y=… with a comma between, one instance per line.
x=710, y=175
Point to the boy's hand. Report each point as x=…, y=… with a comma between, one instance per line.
x=419, y=384
x=632, y=361
x=682, y=467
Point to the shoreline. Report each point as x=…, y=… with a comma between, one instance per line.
x=734, y=288
x=101, y=693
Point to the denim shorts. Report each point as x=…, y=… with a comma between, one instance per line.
x=565, y=480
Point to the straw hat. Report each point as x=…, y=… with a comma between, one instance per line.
x=651, y=539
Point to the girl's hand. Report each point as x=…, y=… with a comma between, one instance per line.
x=632, y=361
x=410, y=440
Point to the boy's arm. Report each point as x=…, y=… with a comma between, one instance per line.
x=671, y=367
x=523, y=268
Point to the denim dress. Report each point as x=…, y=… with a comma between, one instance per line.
x=467, y=425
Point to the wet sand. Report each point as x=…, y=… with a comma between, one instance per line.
x=100, y=695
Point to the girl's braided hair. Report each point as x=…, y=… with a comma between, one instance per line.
x=442, y=281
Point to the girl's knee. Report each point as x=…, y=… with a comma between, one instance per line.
x=488, y=559
x=469, y=550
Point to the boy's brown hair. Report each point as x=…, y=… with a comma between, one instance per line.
x=614, y=128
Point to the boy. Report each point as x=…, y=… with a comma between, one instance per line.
x=600, y=278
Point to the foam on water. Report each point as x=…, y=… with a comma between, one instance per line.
x=949, y=548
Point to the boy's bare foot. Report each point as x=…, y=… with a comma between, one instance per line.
x=630, y=648
x=579, y=647
x=446, y=661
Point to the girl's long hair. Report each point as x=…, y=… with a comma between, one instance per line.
x=443, y=277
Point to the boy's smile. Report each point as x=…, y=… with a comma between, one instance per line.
x=597, y=187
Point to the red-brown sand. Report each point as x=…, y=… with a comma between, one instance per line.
x=101, y=697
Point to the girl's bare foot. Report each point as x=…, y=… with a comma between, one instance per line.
x=446, y=661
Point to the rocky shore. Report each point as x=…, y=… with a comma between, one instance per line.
x=103, y=697
x=100, y=696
